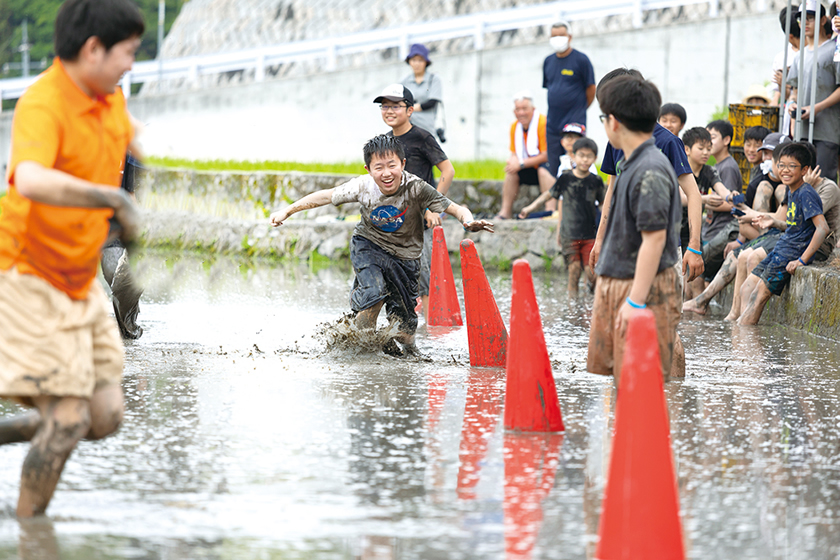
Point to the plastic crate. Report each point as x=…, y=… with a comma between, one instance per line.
x=741, y=117
x=743, y=165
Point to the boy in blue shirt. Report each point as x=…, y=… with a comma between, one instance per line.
x=804, y=231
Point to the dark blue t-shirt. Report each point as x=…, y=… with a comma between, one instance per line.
x=566, y=80
x=803, y=204
x=667, y=143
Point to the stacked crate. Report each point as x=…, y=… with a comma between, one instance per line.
x=742, y=117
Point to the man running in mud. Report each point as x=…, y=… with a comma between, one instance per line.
x=60, y=350
x=386, y=245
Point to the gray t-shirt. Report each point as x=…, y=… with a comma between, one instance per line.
x=729, y=174
x=830, y=197
x=394, y=222
x=430, y=88
x=646, y=198
x=827, y=124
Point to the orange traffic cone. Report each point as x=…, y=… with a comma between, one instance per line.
x=641, y=513
x=481, y=414
x=485, y=329
x=530, y=396
x=444, y=310
x=531, y=462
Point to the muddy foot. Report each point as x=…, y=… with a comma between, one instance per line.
x=692, y=307
x=412, y=351
x=391, y=348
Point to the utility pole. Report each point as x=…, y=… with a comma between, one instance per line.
x=161, y=25
x=24, y=48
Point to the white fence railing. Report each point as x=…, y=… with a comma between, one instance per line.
x=473, y=25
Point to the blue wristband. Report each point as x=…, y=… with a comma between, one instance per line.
x=803, y=262
x=635, y=305
x=695, y=251
x=739, y=242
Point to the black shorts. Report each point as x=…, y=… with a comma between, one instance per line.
x=530, y=175
x=382, y=276
x=766, y=241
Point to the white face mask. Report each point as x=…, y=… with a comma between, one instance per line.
x=766, y=166
x=559, y=44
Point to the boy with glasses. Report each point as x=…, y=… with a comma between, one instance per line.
x=422, y=153
x=641, y=239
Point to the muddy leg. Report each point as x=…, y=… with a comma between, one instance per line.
x=21, y=427
x=740, y=277
x=678, y=359
x=64, y=422
x=755, y=304
x=107, y=408
x=724, y=276
x=366, y=318
x=574, y=277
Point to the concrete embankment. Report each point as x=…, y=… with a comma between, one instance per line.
x=227, y=213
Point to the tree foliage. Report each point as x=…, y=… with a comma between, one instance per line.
x=40, y=17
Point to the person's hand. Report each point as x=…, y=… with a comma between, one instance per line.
x=625, y=313
x=813, y=176
x=792, y=266
x=277, y=218
x=749, y=215
x=777, y=77
x=762, y=221
x=692, y=265
x=417, y=108
x=713, y=200
x=729, y=247
x=594, y=254
x=525, y=211
x=479, y=225
x=127, y=217
x=432, y=218
x=806, y=112
x=512, y=165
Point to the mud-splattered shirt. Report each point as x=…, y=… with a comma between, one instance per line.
x=803, y=205
x=581, y=198
x=646, y=198
x=394, y=222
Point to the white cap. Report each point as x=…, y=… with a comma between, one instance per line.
x=811, y=6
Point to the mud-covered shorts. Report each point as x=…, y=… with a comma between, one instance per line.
x=606, y=347
x=382, y=276
x=578, y=251
x=53, y=345
x=773, y=271
x=766, y=241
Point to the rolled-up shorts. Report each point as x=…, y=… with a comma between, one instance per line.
x=578, y=250
x=773, y=272
x=606, y=347
x=51, y=344
x=381, y=276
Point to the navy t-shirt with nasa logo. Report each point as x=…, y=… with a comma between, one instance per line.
x=394, y=222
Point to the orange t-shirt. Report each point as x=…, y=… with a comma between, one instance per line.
x=57, y=125
x=542, y=144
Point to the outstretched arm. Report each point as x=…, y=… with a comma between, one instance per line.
x=463, y=215
x=312, y=200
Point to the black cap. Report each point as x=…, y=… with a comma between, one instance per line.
x=396, y=92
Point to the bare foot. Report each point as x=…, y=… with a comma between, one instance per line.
x=732, y=317
x=692, y=307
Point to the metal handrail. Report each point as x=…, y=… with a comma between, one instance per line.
x=472, y=25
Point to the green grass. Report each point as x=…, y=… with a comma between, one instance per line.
x=486, y=169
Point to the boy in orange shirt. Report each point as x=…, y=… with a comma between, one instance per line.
x=60, y=350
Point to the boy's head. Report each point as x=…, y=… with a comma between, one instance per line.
x=397, y=104
x=629, y=104
x=794, y=26
x=698, y=144
x=385, y=160
x=757, y=95
x=810, y=9
x=572, y=132
x=795, y=160
x=584, y=152
x=100, y=37
x=753, y=140
x=770, y=151
x=672, y=116
x=721, y=132
x=612, y=75
x=523, y=107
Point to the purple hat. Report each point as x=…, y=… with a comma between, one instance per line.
x=416, y=49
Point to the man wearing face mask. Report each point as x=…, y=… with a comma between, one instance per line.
x=570, y=80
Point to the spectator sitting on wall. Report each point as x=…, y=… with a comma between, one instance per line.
x=673, y=117
x=528, y=154
x=570, y=80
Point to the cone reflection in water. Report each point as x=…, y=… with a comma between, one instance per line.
x=481, y=413
x=640, y=516
x=444, y=309
x=531, y=403
x=485, y=329
x=531, y=462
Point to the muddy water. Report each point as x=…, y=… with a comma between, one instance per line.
x=242, y=439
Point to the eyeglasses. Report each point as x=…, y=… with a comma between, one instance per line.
x=783, y=166
x=395, y=108
x=603, y=117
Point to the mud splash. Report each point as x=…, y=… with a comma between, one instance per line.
x=342, y=335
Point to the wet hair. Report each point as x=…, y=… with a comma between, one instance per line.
x=756, y=133
x=694, y=135
x=724, y=128
x=613, y=74
x=383, y=145
x=585, y=144
x=673, y=109
x=794, y=23
x=633, y=101
x=111, y=21
x=800, y=152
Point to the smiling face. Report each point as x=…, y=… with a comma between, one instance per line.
x=395, y=113
x=672, y=123
x=791, y=172
x=386, y=170
x=103, y=69
x=523, y=109
x=699, y=152
x=751, y=151
x=718, y=144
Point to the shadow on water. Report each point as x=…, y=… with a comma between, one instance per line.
x=243, y=438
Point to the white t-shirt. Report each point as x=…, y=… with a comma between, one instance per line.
x=778, y=62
